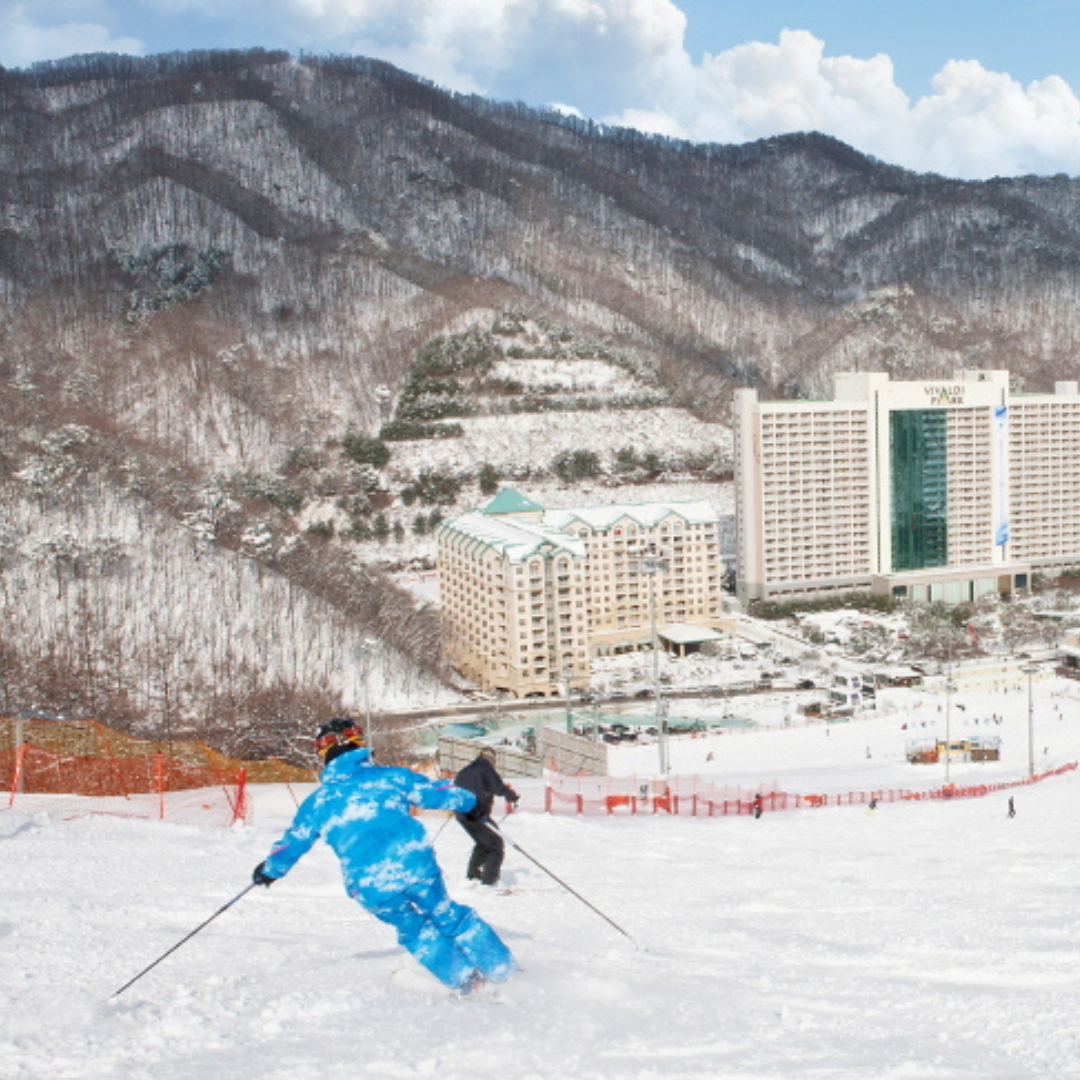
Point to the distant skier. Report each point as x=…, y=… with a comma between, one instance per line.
x=364, y=812
x=759, y=806
x=482, y=778
x=1012, y=808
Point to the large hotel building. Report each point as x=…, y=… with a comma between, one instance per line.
x=529, y=595
x=940, y=490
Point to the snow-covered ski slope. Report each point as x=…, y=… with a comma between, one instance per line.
x=921, y=941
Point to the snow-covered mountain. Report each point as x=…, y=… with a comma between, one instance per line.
x=237, y=288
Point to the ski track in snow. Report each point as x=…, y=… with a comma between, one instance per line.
x=920, y=941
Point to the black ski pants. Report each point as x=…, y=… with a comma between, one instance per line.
x=486, y=860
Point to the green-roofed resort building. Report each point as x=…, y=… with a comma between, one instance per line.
x=530, y=595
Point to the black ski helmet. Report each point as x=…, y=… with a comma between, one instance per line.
x=337, y=737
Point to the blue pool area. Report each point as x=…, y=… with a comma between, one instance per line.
x=464, y=731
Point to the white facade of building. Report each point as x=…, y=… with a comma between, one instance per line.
x=943, y=489
x=529, y=595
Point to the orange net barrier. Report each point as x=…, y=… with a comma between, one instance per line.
x=60, y=765
x=692, y=796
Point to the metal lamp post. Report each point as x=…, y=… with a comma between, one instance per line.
x=652, y=564
x=567, y=675
x=1029, y=670
x=949, y=687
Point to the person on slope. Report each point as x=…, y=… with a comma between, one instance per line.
x=482, y=778
x=363, y=811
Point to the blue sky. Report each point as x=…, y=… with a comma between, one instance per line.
x=1027, y=40
x=963, y=88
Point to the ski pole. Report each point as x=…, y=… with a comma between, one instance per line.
x=518, y=848
x=450, y=817
x=446, y=821
x=206, y=922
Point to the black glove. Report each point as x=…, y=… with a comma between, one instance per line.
x=512, y=797
x=259, y=876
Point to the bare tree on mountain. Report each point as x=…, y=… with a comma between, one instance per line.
x=216, y=265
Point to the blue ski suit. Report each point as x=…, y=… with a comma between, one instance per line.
x=362, y=810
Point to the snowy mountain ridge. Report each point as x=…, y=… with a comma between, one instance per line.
x=223, y=275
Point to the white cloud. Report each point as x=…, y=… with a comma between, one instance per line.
x=624, y=62
x=975, y=123
x=24, y=41
x=565, y=110
x=983, y=123
x=757, y=90
x=595, y=54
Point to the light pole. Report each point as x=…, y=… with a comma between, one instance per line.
x=1029, y=670
x=665, y=749
x=949, y=687
x=652, y=564
x=567, y=674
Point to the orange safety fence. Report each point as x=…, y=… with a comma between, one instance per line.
x=946, y=791
x=694, y=797
x=84, y=767
x=60, y=765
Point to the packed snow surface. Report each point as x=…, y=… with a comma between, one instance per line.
x=923, y=940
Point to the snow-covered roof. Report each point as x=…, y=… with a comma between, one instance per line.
x=515, y=539
x=509, y=501
x=830, y=618
x=499, y=525
x=647, y=515
x=895, y=671
x=686, y=634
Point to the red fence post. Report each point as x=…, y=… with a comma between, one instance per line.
x=240, y=810
x=16, y=780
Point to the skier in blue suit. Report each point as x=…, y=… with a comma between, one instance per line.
x=363, y=811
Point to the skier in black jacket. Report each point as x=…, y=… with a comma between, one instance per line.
x=482, y=778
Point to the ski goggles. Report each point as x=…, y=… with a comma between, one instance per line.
x=353, y=735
